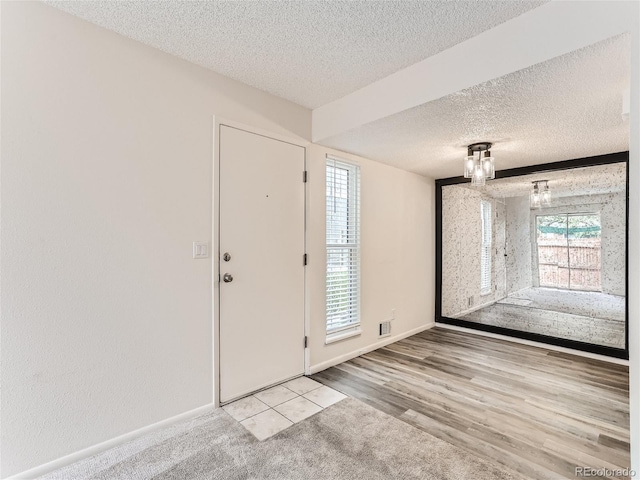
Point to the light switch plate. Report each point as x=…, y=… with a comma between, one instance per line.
x=200, y=250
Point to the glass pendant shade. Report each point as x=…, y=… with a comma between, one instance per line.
x=545, y=199
x=478, y=179
x=469, y=166
x=535, y=200
x=488, y=166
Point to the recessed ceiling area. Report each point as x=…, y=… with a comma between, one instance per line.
x=310, y=52
x=564, y=108
x=599, y=179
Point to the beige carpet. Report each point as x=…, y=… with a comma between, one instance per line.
x=348, y=440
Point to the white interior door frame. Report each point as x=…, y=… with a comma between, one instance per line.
x=215, y=239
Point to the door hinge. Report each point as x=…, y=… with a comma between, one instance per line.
x=306, y=341
x=304, y=259
x=304, y=176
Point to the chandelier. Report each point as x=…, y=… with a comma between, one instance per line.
x=541, y=195
x=479, y=168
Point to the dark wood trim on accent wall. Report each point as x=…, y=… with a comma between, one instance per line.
x=626, y=270
x=438, y=251
x=536, y=337
x=619, y=157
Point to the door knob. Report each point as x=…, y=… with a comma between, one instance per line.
x=227, y=277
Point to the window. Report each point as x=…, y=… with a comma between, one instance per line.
x=343, y=249
x=485, y=255
x=569, y=251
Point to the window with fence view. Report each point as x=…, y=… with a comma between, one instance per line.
x=569, y=251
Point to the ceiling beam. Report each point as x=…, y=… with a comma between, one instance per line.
x=551, y=30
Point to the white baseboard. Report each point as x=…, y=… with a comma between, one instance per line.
x=486, y=304
x=555, y=348
x=361, y=351
x=476, y=307
x=106, y=445
x=520, y=290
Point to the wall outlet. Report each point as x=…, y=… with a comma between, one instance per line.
x=470, y=302
x=393, y=314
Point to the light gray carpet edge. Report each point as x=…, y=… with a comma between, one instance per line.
x=347, y=441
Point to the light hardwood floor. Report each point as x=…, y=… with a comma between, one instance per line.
x=540, y=412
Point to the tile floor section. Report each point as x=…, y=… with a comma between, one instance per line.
x=270, y=411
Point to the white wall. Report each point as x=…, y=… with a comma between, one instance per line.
x=106, y=181
x=397, y=255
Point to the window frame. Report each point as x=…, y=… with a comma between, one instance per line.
x=535, y=242
x=350, y=247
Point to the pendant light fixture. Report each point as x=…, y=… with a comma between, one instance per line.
x=540, y=195
x=479, y=168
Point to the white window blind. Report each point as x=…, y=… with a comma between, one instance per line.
x=343, y=246
x=485, y=255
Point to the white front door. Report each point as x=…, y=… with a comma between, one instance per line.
x=261, y=262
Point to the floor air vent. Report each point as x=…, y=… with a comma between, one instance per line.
x=384, y=329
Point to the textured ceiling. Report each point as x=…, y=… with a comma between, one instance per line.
x=562, y=183
x=568, y=107
x=310, y=52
